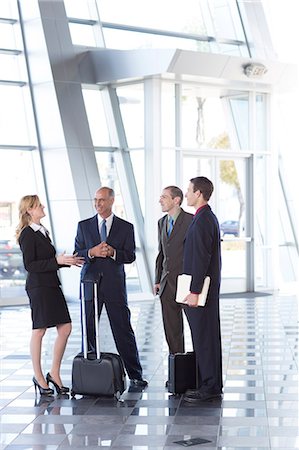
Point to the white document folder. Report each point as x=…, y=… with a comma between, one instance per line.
x=183, y=289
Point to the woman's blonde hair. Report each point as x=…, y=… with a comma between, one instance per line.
x=26, y=202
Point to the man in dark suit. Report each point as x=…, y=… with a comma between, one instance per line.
x=172, y=229
x=202, y=257
x=107, y=243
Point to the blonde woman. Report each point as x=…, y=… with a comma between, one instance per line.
x=47, y=302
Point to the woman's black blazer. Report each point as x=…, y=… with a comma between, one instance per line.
x=39, y=259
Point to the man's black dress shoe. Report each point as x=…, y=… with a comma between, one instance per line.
x=138, y=383
x=197, y=396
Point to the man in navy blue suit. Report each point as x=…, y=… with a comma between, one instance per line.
x=202, y=257
x=107, y=243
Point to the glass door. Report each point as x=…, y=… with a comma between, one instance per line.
x=230, y=204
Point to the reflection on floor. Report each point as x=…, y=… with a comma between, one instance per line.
x=259, y=409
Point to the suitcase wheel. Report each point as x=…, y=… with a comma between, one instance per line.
x=72, y=393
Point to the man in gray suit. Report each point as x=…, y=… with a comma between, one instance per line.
x=172, y=229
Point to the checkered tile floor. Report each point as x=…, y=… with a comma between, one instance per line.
x=259, y=409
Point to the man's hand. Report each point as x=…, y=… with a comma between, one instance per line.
x=111, y=251
x=100, y=250
x=156, y=288
x=191, y=300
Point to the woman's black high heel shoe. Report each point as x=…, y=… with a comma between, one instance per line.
x=59, y=389
x=42, y=391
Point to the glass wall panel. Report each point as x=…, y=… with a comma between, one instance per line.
x=123, y=40
x=83, y=34
x=288, y=254
x=131, y=101
x=220, y=20
x=8, y=36
x=16, y=118
x=171, y=15
x=261, y=124
x=20, y=172
x=226, y=19
x=168, y=159
x=203, y=120
x=9, y=9
x=261, y=222
x=109, y=177
x=12, y=67
x=228, y=203
x=231, y=212
x=137, y=159
x=168, y=130
x=194, y=166
x=83, y=9
x=229, y=49
x=240, y=114
x=96, y=118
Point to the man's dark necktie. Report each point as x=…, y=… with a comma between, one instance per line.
x=170, y=226
x=104, y=231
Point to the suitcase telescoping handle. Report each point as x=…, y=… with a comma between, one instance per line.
x=96, y=320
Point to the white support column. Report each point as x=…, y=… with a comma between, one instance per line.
x=153, y=179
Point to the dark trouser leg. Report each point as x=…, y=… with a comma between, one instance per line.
x=205, y=332
x=173, y=322
x=119, y=316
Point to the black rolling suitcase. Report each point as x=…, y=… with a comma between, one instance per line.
x=100, y=374
x=182, y=372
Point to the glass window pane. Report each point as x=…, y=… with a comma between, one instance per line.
x=262, y=217
x=11, y=36
x=82, y=34
x=96, y=117
x=137, y=159
x=109, y=177
x=168, y=160
x=203, y=120
x=228, y=203
x=84, y=9
x=16, y=117
x=261, y=128
x=168, y=115
x=226, y=19
x=9, y=9
x=194, y=166
x=240, y=113
x=169, y=15
x=218, y=19
x=12, y=67
x=19, y=174
x=7, y=36
x=122, y=39
x=288, y=255
x=131, y=101
x=232, y=195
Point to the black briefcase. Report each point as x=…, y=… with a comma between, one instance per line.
x=182, y=372
x=100, y=373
